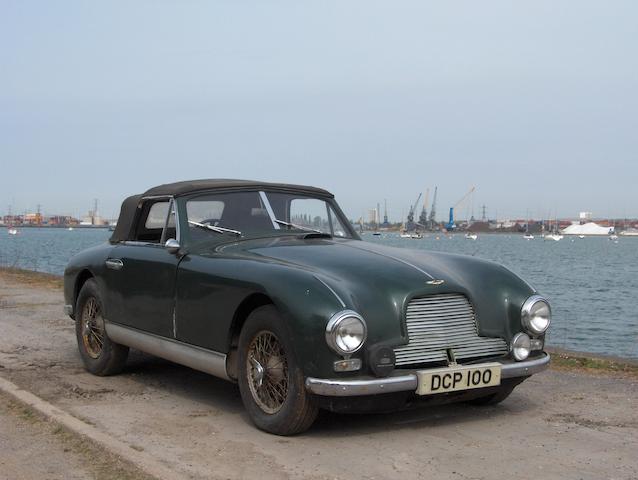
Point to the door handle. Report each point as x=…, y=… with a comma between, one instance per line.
x=114, y=263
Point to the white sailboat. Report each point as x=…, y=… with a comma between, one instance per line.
x=554, y=234
x=12, y=231
x=471, y=236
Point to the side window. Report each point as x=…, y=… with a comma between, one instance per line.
x=151, y=221
x=156, y=215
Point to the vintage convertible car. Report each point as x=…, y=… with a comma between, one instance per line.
x=268, y=285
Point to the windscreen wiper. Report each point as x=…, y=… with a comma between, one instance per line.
x=294, y=225
x=214, y=228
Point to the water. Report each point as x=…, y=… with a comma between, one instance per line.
x=47, y=249
x=592, y=283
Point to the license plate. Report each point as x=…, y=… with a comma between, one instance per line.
x=453, y=379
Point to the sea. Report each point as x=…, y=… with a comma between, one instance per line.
x=591, y=283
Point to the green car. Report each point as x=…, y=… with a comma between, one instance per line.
x=268, y=285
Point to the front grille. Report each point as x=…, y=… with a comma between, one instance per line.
x=439, y=322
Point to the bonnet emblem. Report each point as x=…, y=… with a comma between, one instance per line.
x=435, y=282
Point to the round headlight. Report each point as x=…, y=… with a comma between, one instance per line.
x=536, y=315
x=521, y=346
x=346, y=331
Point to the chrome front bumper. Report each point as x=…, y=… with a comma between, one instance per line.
x=408, y=382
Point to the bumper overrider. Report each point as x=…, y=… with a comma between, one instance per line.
x=406, y=380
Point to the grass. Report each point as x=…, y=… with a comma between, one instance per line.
x=572, y=361
x=28, y=277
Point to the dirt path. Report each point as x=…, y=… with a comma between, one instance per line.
x=33, y=448
x=556, y=425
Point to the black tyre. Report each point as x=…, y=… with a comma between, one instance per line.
x=270, y=381
x=494, y=398
x=100, y=355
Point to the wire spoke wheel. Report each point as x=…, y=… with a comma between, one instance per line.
x=267, y=370
x=92, y=328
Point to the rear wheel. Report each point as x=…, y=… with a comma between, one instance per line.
x=100, y=355
x=270, y=382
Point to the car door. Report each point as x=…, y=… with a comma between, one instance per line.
x=141, y=272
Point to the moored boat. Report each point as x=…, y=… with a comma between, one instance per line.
x=554, y=236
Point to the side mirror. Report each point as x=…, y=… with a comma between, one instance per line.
x=172, y=245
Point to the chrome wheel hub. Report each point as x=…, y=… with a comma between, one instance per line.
x=267, y=372
x=93, y=332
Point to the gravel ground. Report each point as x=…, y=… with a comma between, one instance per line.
x=558, y=424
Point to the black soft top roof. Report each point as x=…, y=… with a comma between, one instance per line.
x=191, y=186
x=130, y=204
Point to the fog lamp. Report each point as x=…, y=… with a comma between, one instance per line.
x=521, y=346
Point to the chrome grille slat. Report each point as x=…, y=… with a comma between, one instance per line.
x=439, y=322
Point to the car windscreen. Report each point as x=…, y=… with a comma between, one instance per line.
x=254, y=213
x=314, y=214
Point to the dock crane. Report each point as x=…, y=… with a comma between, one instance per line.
x=433, y=210
x=423, y=218
x=451, y=225
x=410, y=224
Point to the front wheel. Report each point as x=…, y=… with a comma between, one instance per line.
x=270, y=382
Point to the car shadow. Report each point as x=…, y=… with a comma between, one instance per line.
x=176, y=379
x=224, y=396
x=331, y=424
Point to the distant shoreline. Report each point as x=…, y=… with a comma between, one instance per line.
x=99, y=227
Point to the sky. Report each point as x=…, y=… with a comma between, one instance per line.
x=534, y=103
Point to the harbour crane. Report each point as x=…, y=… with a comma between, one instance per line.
x=451, y=225
x=433, y=210
x=385, y=213
x=423, y=218
x=412, y=211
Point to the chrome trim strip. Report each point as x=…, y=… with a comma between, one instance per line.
x=68, y=310
x=350, y=388
x=191, y=356
x=269, y=209
x=343, y=304
x=154, y=197
x=178, y=232
x=526, y=367
x=174, y=324
x=136, y=243
x=407, y=382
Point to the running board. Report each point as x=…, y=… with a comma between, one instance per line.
x=191, y=356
